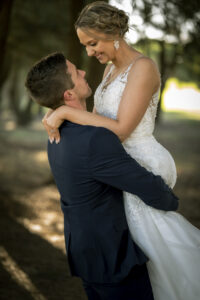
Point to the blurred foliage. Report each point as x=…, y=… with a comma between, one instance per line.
x=185, y=67
x=35, y=29
x=177, y=51
x=180, y=34
x=32, y=29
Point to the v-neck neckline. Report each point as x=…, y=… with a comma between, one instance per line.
x=104, y=82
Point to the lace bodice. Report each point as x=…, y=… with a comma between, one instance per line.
x=141, y=144
x=107, y=102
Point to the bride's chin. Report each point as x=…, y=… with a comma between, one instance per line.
x=103, y=61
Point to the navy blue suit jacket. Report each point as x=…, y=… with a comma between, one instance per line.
x=91, y=169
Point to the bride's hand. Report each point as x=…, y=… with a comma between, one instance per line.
x=52, y=122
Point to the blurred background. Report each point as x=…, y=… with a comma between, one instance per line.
x=32, y=255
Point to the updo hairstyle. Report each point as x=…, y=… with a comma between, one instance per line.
x=103, y=18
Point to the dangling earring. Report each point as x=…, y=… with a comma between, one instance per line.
x=116, y=45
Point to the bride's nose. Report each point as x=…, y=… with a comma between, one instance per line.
x=90, y=52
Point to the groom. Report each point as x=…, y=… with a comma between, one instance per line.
x=91, y=169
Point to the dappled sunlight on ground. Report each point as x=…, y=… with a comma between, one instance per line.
x=48, y=220
x=10, y=125
x=18, y=275
x=48, y=225
x=41, y=156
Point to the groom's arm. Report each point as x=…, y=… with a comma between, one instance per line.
x=110, y=164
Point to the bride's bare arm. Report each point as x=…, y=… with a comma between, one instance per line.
x=94, y=110
x=143, y=82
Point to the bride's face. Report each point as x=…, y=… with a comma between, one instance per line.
x=98, y=45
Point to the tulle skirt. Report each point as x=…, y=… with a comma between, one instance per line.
x=173, y=247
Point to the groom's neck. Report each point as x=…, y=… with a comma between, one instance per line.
x=79, y=104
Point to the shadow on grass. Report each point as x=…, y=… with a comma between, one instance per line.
x=45, y=265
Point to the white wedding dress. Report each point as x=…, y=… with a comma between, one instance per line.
x=168, y=239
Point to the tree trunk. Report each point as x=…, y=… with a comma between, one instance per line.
x=23, y=115
x=163, y=66
x=95, y=73
x=167, y=68
x=5, y=13
x=74, y=49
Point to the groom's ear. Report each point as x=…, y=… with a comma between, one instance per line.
x=68, y=96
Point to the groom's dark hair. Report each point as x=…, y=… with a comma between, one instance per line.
x=48, y=79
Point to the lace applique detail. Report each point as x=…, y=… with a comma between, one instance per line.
x=134, y=207
x=122, y=77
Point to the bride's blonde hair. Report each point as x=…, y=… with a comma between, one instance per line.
x=103, y=18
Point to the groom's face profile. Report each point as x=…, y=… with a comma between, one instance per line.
x=81, y=87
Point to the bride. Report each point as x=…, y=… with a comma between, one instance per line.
x=126, y=103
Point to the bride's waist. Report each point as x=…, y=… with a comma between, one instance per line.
x=137, y=139
x=153, y=156
x=145, y=147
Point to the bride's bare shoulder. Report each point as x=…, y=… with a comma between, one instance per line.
x=146, y=63
x=145, y=68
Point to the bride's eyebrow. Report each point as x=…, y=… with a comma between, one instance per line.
x=89, y=42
